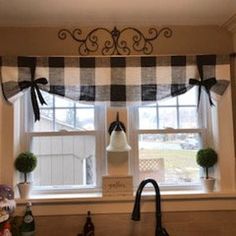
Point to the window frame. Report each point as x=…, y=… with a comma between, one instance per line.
x=27, y=120
x=204, y=131
x=51, y=204
x=219, y=136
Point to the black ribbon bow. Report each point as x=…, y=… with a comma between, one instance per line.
x=206, y=84
x=33, y=85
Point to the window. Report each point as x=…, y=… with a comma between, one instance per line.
x=66, y=141
x=164, y=136
x=167, y=135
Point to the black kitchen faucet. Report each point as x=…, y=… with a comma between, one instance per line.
x=160, y=231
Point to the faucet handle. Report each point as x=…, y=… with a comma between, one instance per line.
x=162, y=232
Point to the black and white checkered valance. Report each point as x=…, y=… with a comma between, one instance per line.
x=116, y=80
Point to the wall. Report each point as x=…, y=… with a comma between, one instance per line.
x=44, y=41
x=6, y=142
x=233, y=85
x=217, y=223
x=234, y=41
x=185, y=39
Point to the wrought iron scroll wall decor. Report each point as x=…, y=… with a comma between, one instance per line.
x=115, y=42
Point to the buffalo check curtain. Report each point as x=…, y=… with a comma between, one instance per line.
x=115, y=80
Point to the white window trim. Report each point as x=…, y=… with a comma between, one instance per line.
x=219, y=136
x=99, y=133
x=224, y=199
x=133, y=136
x=223, y=142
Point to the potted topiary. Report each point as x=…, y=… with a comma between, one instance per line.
x=207, y=158
x=25, y=163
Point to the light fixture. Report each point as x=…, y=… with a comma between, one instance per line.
x=118, y=139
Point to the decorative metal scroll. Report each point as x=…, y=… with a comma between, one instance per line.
x=115, y=42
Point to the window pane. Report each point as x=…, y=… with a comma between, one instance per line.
x=48, y=98
x=46, y=121
x=85, y=119
x=63, y=102
x=188, y=117
x=167, y=102
x=147, y=118
x=64, y=115
x=167, y=117
x=83, y=105
x=189, y=98
x=64, y=119
x=169, y=158
x=64, y=160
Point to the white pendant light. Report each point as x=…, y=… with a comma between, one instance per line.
x=118, y=139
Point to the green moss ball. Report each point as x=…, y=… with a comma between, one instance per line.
x=26, y=162
x=206, y=157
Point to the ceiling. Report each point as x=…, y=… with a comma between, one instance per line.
x=115, y=12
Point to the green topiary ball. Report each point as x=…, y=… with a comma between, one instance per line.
x=206, y=157
x=26, y=162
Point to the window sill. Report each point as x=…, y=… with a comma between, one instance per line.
x=172, y=201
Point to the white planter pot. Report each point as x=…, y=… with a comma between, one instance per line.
x=208, y=184
x=24, y=190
